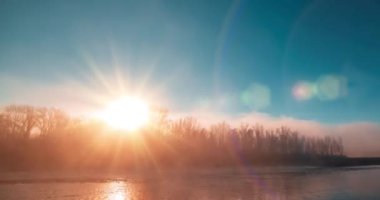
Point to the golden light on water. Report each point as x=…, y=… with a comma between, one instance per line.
x=117, y=196
x=127, y=113
x=117, y=191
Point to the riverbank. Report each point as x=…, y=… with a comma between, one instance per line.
x=354, y=161
x=296, y=161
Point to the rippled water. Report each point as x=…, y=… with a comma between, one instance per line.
x=253, y=183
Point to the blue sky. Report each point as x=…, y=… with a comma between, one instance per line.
x=227, y=57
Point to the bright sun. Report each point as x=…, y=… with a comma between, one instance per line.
x=127, y=113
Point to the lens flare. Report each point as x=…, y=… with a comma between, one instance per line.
x=304, y=90
x=331, y=87
x=257, y=96
x=326, y=88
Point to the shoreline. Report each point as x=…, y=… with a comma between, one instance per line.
x=337, y=162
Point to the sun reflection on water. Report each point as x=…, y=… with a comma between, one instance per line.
x=117, y=191
x=117, y=196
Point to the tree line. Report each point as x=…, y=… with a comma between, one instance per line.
x=48, y=138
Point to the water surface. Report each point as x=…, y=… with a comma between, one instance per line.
x=249, y=183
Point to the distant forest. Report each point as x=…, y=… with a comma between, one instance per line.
x=34, y=138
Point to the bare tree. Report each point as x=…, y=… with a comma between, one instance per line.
x=21, y=119
x=51, y=120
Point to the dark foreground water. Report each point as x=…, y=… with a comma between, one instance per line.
x=253, y=183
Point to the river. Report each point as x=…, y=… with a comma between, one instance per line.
x=262, y=183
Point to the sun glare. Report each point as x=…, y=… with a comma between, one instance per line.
x=127, y=113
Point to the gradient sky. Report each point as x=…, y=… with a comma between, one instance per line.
x=312, y=60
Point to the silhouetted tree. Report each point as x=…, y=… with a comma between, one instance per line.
x=87, y=143
x=21, y=120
